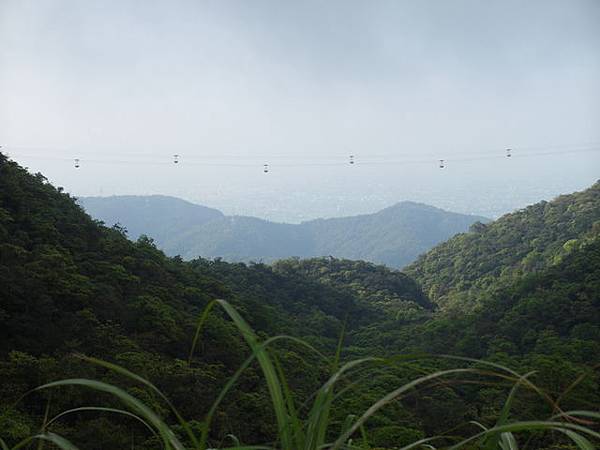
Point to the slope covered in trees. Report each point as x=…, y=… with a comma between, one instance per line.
x=460, y=271
x=555, y=313
x=547, y=323
x=394, y=236
x=158, y=216
x=377, y=286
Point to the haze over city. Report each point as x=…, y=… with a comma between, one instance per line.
x=231, y=85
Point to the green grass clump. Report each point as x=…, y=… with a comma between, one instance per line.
x=314, y=429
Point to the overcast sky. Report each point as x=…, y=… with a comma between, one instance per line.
x=296, y=82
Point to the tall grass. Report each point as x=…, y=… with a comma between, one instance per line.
x=313, y=430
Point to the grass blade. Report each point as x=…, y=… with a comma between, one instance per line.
x=232, y=380
x=581, y=442
x=508, y=442
x=322, y=403
x=592, y=414
x=493, y=441
x=127, y=373
x=391, y=396
x=101, y=409
x=57, y=440
x=271, y=377
x=167, y=435
x=529, y=426
x=421, y=442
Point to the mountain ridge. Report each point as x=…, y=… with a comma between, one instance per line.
x=394, y=236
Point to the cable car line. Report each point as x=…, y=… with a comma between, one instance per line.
x=368, y=160
x=334, y=156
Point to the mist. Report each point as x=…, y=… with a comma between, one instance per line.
x=230, y=86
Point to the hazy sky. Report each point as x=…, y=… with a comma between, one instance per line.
x=124, y=85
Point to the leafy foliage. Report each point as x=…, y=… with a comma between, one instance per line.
x=458, y=272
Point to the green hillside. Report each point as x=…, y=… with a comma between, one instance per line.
x=458, y=272
x=555, y=313
x=394, y=236
x=242, y=239
x=159, y=216
x=378, y=286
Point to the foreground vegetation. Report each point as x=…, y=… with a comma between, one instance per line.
x=311, y=427
x=71, y=286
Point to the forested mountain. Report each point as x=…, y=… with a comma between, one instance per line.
x=158, y=216
x=547, y=322
x=378, y=286
x=554, y=312
x=394, y=236
x=72, y=286
x=459, y=271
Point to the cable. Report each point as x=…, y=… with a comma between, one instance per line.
x=354, y=159
x=394, y=154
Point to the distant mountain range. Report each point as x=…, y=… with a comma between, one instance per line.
x=394, y=236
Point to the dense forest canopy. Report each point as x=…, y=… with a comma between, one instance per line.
x=524, y=242
x=523, y=291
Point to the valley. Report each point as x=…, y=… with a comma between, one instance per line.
x=522, y=291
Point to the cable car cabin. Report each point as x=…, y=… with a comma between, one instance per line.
x=176, y=159
x=266, y=168
x=508, y=152
x=76, y=163
x=442, y=164
x=351, y=159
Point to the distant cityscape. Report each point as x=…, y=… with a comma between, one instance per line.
x=294, y=195
x=489, y=201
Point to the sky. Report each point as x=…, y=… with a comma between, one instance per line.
x=232, y=85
